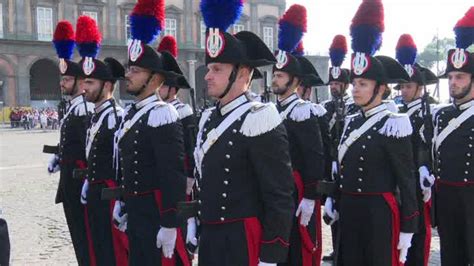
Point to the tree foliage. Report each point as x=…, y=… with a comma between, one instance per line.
x=437, y=51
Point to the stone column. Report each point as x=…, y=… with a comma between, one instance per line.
x=23, y=96
x=188, y=23
x=254, y=18
x=111, y=13
x=20, y=19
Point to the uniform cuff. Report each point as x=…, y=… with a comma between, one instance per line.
x=168, y=218
x=274, y=251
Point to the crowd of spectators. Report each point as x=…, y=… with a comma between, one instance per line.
x=31, y=118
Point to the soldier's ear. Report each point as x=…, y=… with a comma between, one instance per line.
x=296, y=82
x=110, y=85
x=158, y=78
x=245, y=72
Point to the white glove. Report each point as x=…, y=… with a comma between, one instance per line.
x=425, y=175
x=404, y=244
x=330, y=211
x=260, y=263
x=334, y=169
x=53, y=164
x=306, y=209
x=120, y=221
x=166, y=240
x=85, y=187
x=191, y=232
x=426, y=195
x=189, y=185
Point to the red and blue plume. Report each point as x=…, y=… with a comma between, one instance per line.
x=406, y=50
x=338, y=50
x=299, y=50
x=221, y=14
x=168, y=44
x=64, y=39
x=292, y=27
x=367, y=27
x=147, y=20
x=88, y=37
x=464, y=30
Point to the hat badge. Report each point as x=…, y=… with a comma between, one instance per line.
x=459, y=58
x=360, y=63
x=282, y=59
x=215, y=43
x=88, y=66
x=409, y=70
x=62, y=66
x=335, y=72
x=135, y=50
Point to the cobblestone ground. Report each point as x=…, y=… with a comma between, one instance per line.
x=38, y=231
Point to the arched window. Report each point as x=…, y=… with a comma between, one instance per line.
x=44, y=80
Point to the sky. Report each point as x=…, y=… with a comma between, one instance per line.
x=423, y=19
x=420, y=18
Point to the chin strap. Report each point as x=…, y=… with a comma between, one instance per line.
x=144, y=85
x=287, y=85
x=232, y=78
x=465, y=93
x=100, y=92
x=168, y=95
x=374, y=94
x=414, y=95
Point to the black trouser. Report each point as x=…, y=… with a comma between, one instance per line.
x=226, y=244
x=455, y=212
x=4, y=243
x=334, y=232
x=418, y=253
x=142, y=229
x=75, y=213
x=297, y=251
x=365, y=230
x=100, y=218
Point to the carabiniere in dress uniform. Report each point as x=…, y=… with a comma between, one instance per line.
x=453, y=148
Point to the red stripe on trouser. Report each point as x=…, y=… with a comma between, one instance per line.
x=393, y=204
x=82, y=165
x=427, y=246
x=180, y=247
x=90, y=246
x=319, y=248
x=311, y=252
x=119, y=239
x=253, y=233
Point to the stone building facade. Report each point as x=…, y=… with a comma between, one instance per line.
x=29, y=74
